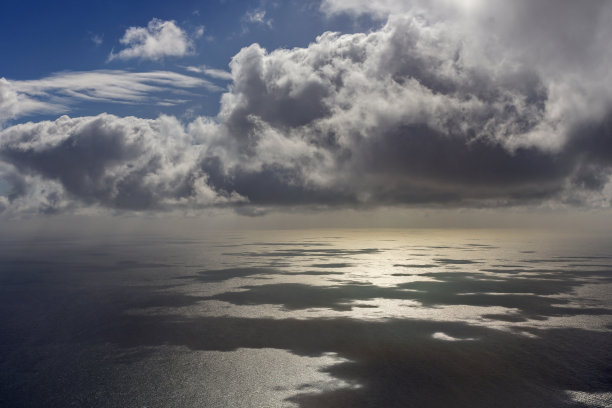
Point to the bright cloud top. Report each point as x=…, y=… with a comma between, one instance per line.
x=159, y=39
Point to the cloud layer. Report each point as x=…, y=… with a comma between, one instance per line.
x=425, y=110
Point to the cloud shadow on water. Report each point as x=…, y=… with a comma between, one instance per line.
x=398, y=363
x=395, y=362
x=533, y=298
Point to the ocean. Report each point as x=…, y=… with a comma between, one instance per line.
x=307, y=318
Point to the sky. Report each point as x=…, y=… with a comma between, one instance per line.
x=260, y=108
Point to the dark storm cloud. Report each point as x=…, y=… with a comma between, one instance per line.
x=465, y=104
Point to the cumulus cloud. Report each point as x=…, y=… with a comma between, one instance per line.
x=106, y=161
x=159, y=39
x=408, y=114
x=420, y=111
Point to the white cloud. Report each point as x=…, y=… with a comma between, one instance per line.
x=211, y=72
x=14, y=104
x=106, y=161
x=97, y=39
x=412, y=113
x=257, y=16
x=380, y=8
x=199, y=32
x=158, y=40
x=57, y=92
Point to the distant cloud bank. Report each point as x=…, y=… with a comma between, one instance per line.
x=448, y=103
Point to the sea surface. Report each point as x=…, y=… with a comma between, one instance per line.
x=307, y=318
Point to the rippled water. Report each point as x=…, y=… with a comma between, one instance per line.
x=312, y=318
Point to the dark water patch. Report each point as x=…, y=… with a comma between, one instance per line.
x=273, y=244
x=590, y=266
x=97, y=254
x=555, y=274
x=520, y=269
x=169, y=300
x=549, y=260
x=290, y=253
x=531, y=297
x=515, y=270
x=219, y=275
x=332, y=265
x=305, y=243
x=506, y=266
x=293, y=296
x=455, y=276
x=344, y=281
x=318, y=273
x=130, y=264
x=584, y=257
x=482, y=246
x=449, y=261
x=467, y=282
x=133, y=355
x=415, y=266
x=505, y=317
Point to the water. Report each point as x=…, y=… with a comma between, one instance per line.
x=311, y=318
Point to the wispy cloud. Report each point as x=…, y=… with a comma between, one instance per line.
x=211, y=72
x=97, y=39
x=57, y=92
x=157, y=40
x=14, y=104
x=199, y=32
x=257, y=16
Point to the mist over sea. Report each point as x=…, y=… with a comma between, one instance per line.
x=307, y=318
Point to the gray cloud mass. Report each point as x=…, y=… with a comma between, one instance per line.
x=428, y=109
